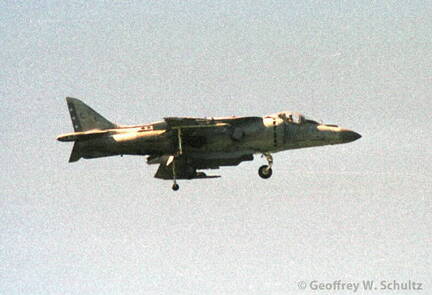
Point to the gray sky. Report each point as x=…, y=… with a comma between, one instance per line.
x=354, y=212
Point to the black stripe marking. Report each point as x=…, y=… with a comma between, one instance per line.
x=74, y=116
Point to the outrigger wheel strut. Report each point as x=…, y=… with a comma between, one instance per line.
x=175, y=186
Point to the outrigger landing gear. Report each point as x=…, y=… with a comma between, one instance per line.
x=175, y=186
x=266, y=171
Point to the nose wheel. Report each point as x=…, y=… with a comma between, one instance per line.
x=266, y=171
x=175, y=187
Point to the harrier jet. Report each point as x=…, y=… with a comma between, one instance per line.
x=183, y=145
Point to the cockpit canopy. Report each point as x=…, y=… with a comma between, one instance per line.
x=296, y=118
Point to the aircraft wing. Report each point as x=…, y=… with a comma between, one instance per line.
x=187, y=122
x=233, y=126
x=190, y=122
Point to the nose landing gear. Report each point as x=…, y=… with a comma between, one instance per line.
x=266, y=171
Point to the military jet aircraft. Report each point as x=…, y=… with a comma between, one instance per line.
x=183, y=145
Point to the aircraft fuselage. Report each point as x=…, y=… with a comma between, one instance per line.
x=272, y=134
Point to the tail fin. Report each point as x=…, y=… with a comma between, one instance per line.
x=85, y=118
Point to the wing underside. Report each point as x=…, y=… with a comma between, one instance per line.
x=186, y=167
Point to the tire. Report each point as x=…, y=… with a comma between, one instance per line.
x=265, y=172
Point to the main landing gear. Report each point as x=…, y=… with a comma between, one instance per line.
x=266, y=171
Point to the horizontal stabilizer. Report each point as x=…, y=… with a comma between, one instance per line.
x=82, y=136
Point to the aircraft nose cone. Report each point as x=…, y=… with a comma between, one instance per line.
x=348, y=136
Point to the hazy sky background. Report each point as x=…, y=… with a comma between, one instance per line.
x=360, y=211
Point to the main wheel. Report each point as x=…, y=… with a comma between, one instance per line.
x=265, y=172
x=175, y=187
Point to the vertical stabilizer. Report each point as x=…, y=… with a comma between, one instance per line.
x=85, y=118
